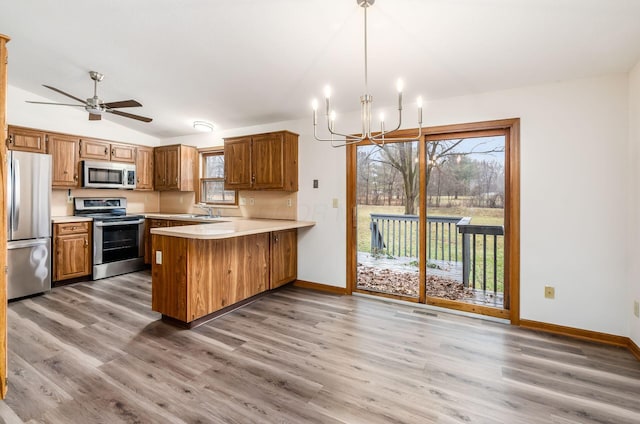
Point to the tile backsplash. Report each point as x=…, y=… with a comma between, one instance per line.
x=253, y=204
x=137, y=201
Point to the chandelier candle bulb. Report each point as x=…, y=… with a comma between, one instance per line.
x=314, y=106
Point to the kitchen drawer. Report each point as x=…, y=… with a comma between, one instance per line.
x=70, y=228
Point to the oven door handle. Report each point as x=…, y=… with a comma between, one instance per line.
x=111, y=224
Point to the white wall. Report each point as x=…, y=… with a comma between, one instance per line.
x=574, y=198
x=575, y=187
x=634, y=211
x=322, y=249
x=573, y=195
x=66, y=119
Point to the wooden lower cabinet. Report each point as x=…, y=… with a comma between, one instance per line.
x=72, y=250
x=158, y=223
x=284, y=257
x=199, y=277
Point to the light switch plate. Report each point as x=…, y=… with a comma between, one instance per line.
x=335, y=203
x=158, y=257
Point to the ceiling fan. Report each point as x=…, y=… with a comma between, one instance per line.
x=94, y=105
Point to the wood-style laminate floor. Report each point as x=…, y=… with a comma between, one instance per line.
x=96, y=353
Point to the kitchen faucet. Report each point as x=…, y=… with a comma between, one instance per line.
x=209, y=210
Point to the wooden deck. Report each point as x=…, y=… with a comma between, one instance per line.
x=451, y=271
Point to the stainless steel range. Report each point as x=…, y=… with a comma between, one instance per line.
x=118, y=245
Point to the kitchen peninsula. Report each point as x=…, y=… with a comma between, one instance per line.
x=202, y=270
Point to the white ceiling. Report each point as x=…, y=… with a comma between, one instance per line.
x=238, y=63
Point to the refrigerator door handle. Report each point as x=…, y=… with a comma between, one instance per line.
x=9, y=196
x=16, y=191
x=21, y=244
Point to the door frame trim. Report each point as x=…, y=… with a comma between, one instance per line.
x=512, y=210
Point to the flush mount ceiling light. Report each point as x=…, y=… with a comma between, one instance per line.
x=366, y=101
x=203, y=126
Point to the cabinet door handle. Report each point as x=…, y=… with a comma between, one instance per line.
x=105, y=151
x=113, y=152
x=86, y=243
x=11, y=139
x=176, y=180
x=75, y=177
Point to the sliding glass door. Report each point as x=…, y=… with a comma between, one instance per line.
x=436, y=220
x=465, y=187
x=387, y=226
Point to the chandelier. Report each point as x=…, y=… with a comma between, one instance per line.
x=366, y=102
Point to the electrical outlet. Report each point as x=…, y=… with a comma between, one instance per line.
x=335, y=203
x=252, y=201
x=159, y=257
x=549, y=292
x=289, y=202
x=636, y=309
x=243, y=201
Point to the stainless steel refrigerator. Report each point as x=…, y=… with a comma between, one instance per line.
x=29, y=223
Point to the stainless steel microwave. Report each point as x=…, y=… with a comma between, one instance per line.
x=98, y=174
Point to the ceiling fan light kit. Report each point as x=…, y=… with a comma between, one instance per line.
x=203, y=126
x=366, y=101
x=94, y=105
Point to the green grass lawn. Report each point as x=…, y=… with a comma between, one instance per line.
x=480, y=216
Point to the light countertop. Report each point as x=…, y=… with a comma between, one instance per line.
x=65, y=219
x=189, y=217
x=229, y=229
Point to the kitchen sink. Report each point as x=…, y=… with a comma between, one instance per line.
x=198, y=217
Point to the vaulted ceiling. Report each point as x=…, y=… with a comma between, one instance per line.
x=245, y=62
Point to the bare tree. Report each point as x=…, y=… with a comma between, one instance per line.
x=404, y=158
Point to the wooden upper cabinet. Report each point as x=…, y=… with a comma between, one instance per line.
x=123, y=153
x=94, y=149
x=268, y=163
x=172, y=171
x=160, y=168
x=284, y=257
x=262, y=162
x=144, y=168
x=27, y=140
x=103, y=150
x=65, y=158
x=237, y=163
x=175, y=168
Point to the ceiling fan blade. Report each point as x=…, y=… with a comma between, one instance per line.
x=50, y=103
x=94, y=117
x=129, y=115
x=64, y=94
x=122, y=103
